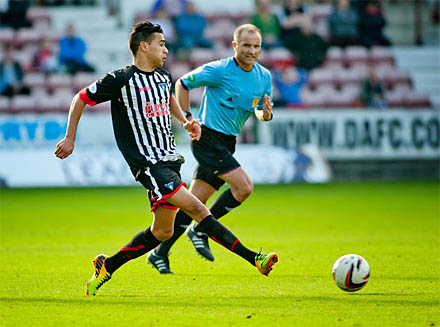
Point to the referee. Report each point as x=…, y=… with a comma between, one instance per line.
x=235, y=88
x=141, y=105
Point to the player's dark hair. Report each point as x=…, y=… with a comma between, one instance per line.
x=142, y=32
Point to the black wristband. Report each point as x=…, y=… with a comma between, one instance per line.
x=187, y=113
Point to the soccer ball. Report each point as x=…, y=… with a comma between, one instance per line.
x=351, y=272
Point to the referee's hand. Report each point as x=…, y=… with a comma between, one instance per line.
x=193, y=127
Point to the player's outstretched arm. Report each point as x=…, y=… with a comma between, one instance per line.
x=192, y=126
x=65, y=147
x=266, y=113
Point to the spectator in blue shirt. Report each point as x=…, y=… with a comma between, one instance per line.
x=190, y=27
x=72, y=51
x=289, y=83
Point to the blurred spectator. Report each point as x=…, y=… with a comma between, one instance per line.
x=173, y=7
x=45, y=59
x=308, y=47
x=291, y=14
x=15, y=14
x=268, y=24
x=72, y=51
x=11, y=75
x=372, y=23
x=344, y=25
x=289, y=83
x=164, y=20
x=190, y=27
x=372, y=91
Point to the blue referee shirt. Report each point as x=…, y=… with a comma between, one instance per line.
x=231, y=93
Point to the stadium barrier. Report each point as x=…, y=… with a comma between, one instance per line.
x=295, y=146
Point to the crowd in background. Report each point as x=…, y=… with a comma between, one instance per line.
x=284, y=24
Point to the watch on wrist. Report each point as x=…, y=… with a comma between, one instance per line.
x=187, y=113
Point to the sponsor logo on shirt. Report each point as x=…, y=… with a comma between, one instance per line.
x=146, y=88
x=255, y=102
x=156, y=109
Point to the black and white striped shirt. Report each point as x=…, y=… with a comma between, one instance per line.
x=140, y=106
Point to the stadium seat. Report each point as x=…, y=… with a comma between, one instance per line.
x=59, y=81
x=320, y=11
x=417, y=100
x=335, y=55
x=23, y=104
x=397, y=77
x=35, y=80
x=320, y=76
x=83, y=79
x=38, y=14
x=312, y=98
x=383, y=69
x=46, y=103
x=381, y=55
x=200, y=56
x=5, y=104
x=63, y=98
x=25, y=58
x=6, y=35
x=279, y=58
x=178, y=69
x=352, y=75
x=355, y=54
x=27, y=35
x=221, y=31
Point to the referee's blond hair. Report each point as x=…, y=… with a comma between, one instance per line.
x=246, y=28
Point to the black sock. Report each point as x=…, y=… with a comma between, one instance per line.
x=222, y=205
x=180, y=223
x=141, y=243
x=224, y=236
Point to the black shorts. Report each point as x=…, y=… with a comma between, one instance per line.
x=214, y=154
x=162, y=181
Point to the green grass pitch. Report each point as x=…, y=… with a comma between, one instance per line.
x=49, y=237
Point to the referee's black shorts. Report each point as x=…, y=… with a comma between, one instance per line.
x=214, y=154
x=162, y=180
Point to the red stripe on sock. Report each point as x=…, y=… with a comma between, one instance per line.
x=233, y=245
x=132, y=249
